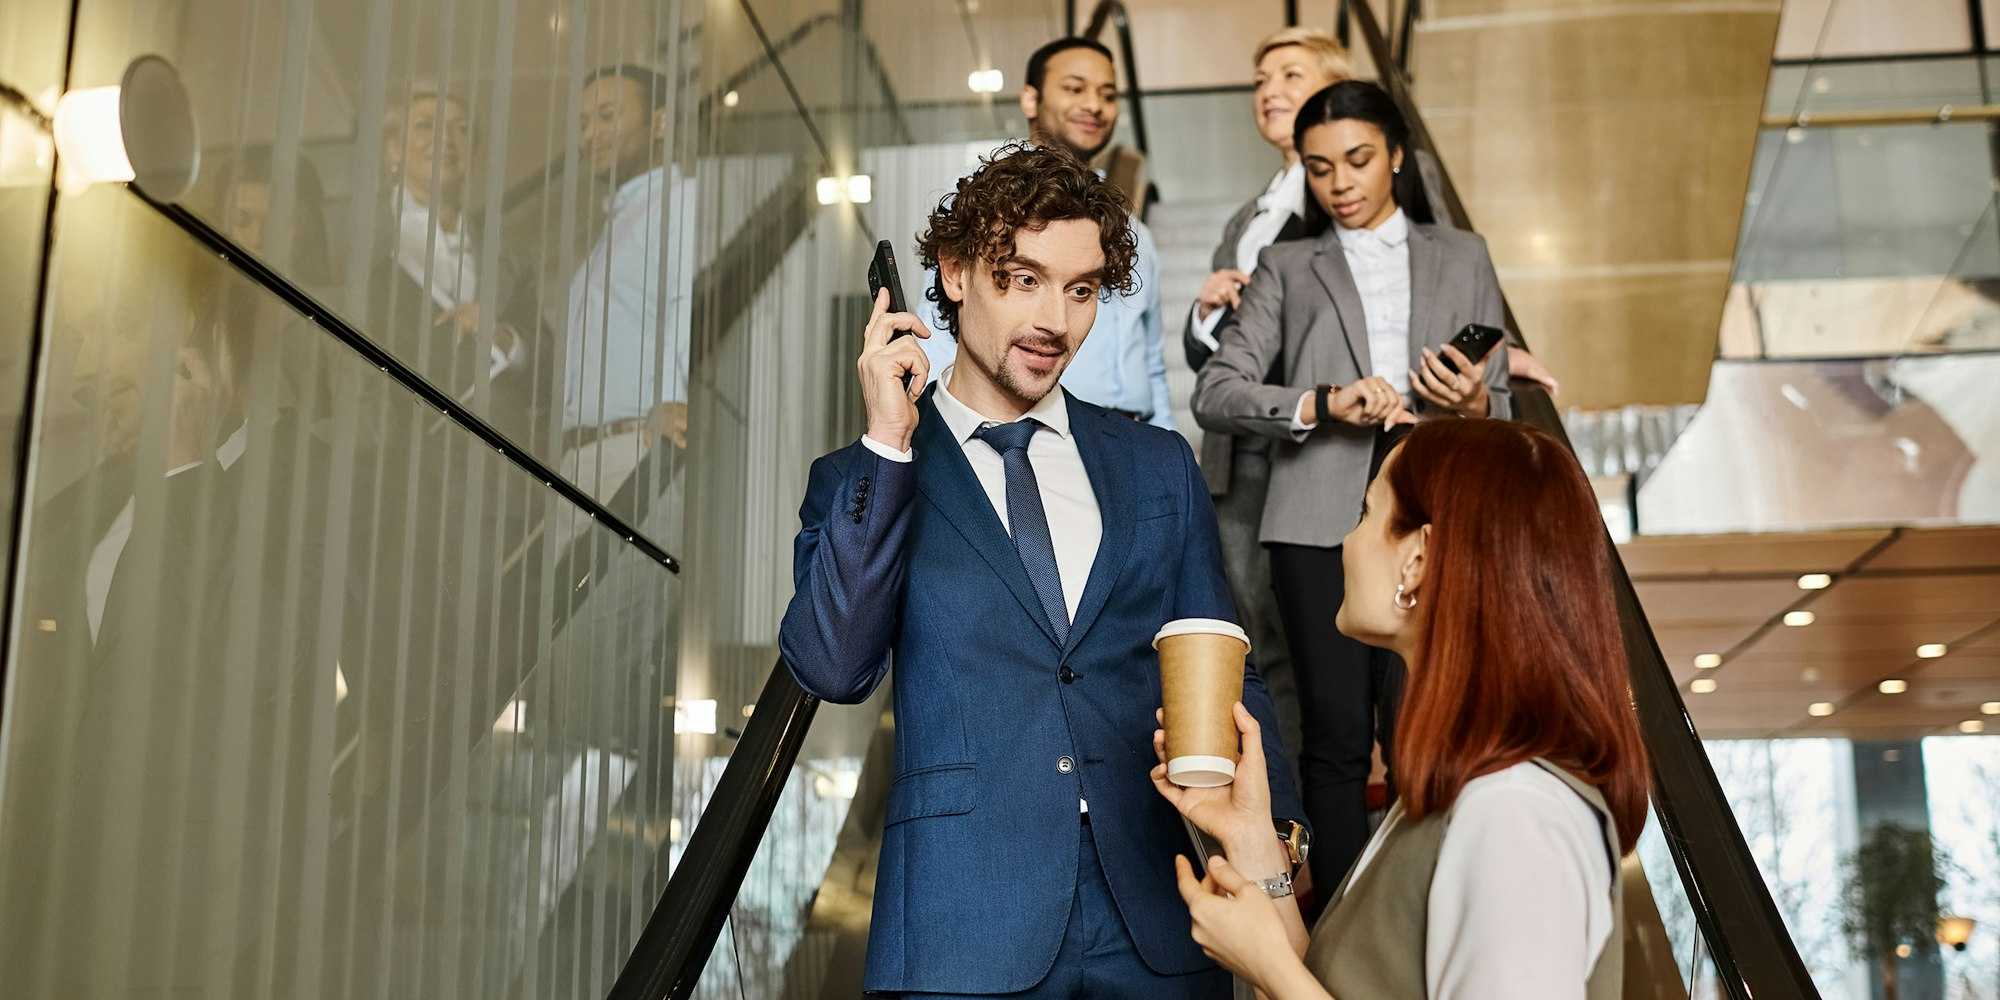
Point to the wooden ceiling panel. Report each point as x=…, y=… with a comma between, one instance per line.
x=1935, y=548
x=1867, y=639
x=1786, y=554
x=1867, y=597
x=1712, y=602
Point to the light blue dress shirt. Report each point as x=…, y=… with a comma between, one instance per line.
x=630, y=305
x=1122, y=363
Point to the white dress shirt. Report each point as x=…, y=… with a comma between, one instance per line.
x=1520, y=901
x=1380, y=261
x=1283, y=199
x=630, y=305
x=445, y=265
x=1075, y=524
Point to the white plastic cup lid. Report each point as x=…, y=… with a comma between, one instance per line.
x=1201, y=626
x=1201, y=771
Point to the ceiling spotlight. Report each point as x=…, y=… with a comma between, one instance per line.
x=1702, y=685
x=985, y=81
x=1893, y=686
x=1990, y=708
x=695, y=715
x=828, y=190
x=1810, y=675
x=1972, y=727
x=861, y=189
x=729, y=100
x=1815, y=581
x=1820, y=709
x=1932, y=650
x=1800, y=619
x=1708, y=661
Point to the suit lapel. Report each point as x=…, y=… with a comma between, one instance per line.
x=1426, y=267
x=1109, y=464
x=1232, y=233
x=946, y=478
x=1330, y=264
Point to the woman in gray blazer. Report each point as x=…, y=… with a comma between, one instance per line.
x=1356, y=322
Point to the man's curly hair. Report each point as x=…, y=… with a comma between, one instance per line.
x=1024, y=186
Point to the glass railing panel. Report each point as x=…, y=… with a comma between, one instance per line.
x=315, y=693
x=1888, y=84
x=25, y=177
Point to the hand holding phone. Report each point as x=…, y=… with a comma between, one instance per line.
x=882, y=274
x=1475, y=341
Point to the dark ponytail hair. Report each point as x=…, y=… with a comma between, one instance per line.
x=1364, y=101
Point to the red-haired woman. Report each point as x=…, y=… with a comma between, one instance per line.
x=1479, y=558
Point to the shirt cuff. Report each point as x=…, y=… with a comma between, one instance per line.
x=887, y=452
x=1299, y=429
x=1204, y=329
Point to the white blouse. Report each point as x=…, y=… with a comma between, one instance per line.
x=1520, y=902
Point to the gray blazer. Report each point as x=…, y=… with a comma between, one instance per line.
x=1303, y=309
x=1218, y=451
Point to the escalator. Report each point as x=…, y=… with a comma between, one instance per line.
x=1739, y=948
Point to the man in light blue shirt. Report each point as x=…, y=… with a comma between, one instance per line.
x=1070, y=97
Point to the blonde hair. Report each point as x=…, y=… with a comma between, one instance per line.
x=1323, y=46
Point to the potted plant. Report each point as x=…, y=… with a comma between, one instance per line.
x=1890, y=901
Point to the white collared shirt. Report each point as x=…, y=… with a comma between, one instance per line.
x=1379, y=258
x=1076, y=526
x=1283, y=199
x=630, y=305
x=445, y=265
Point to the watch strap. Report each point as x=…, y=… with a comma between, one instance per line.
x=1321, y=414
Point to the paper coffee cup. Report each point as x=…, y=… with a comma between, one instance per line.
x=1201, y=676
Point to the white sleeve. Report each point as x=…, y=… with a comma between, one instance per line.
x=1520, y=904
x=887, y=452
x=1204, y=329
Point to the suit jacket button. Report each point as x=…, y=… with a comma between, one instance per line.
x=1066, y=675
x=1274, y=411
x=1065, y=765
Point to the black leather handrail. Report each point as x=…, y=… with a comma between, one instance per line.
x=1753, y=954
x=1113, y=11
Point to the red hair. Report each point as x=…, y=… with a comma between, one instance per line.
x=1522, y=655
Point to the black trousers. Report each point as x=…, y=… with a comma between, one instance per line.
x=1348, y=694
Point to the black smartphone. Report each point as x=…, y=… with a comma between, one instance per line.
x=882, y=274
x=1475, y=341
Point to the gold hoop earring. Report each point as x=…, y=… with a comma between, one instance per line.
x=1402, y=593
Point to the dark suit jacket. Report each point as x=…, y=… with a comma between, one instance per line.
x=993, y=746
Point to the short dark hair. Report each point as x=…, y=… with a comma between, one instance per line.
x=1038, y=64
x=652, y=86
x=1023, y=186
x=1364, y=101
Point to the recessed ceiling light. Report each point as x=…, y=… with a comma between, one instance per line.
x=1800, y=619
x=1932, y=650
x=1815, y=581
x=1893, y=686
x=1703, y=685
x=1708, y=661
x=1990, y=708
x=1903, y=951
x=729, y=100
x=1972, y=727
x=1810, y=675
x=1820, y=709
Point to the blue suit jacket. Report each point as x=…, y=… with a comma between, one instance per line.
x=979, y=857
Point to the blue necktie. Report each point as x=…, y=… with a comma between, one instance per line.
x=1027, y=520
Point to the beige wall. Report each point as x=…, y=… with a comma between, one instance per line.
x=1603, y=149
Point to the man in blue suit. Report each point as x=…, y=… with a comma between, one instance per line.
x=1014, y=550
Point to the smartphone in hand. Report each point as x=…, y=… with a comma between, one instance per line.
x=1475, y=341
x=882, y=274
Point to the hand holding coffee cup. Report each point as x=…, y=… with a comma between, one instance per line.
x=1238, y=816
x=1201, y=680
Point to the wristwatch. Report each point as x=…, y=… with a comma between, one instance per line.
x=1320, y=412
x=1277, y=886
x=1298, y=843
